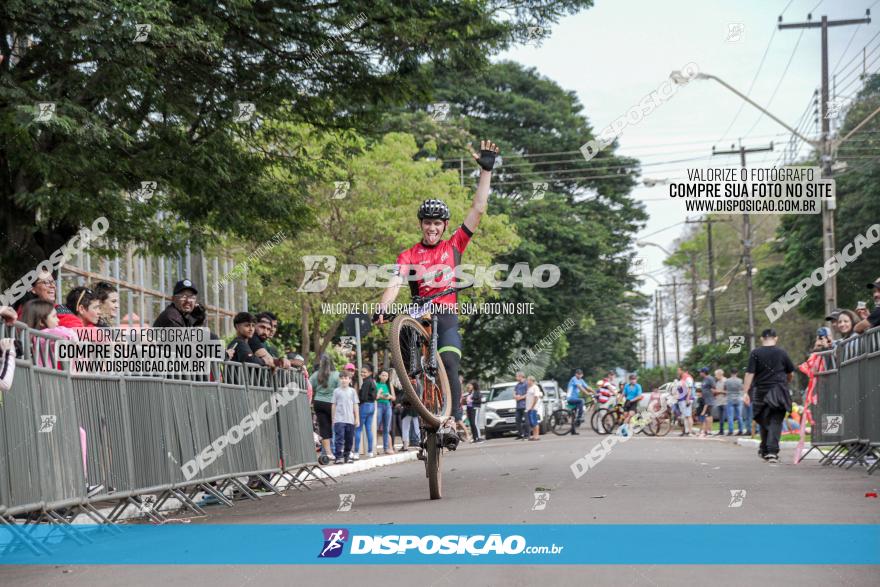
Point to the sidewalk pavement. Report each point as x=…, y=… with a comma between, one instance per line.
x=364, y=464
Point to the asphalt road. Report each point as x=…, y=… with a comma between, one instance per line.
x=645, y=481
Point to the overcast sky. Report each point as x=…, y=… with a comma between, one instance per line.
x=619, y=51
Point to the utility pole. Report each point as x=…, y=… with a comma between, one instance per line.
x=747, y=239
x=662, y=329
x=675, y=313
x=656, y=360
x=828, y=239
x=712, y=322
x=693, y=263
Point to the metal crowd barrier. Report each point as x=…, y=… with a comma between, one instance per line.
x=846, y=428
x=69, y=441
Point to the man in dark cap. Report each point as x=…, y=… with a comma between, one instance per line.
x=769, y=372
x=184, y=310
x=873, y=318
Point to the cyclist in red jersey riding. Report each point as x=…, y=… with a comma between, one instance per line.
x=429, y=267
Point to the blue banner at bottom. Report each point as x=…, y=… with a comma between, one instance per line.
x=541, y=544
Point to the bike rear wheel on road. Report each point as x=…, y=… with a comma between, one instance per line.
x=610, y=423
x=560, y=422
x=660, y=426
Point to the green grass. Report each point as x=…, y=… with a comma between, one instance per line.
x=716, y=426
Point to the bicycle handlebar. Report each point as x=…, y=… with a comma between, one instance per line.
x=422, y=300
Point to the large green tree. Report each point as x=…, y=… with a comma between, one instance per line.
x=134, y=105
x=799, y=241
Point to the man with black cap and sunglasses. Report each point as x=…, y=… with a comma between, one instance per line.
x=873, y=318
x=184, y=310
x=769, y=372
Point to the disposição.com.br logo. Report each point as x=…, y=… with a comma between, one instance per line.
x=335, y=540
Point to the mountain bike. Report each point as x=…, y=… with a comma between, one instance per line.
x=661, y=422
x=616, y=416
x=414, y=356
x=564, y=420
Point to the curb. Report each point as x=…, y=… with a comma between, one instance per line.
x=130, y=512
x=366, y=464
x=751, y=442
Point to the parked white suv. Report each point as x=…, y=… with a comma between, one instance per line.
x=498, y=415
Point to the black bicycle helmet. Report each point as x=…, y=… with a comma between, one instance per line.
x=434, y=209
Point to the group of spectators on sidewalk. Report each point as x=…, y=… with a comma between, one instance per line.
x=347, y=406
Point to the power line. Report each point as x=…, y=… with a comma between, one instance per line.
x=779, y=83
x=851, y=39
x=751, y=85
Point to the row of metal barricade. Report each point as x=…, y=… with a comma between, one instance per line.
x=93, y=444
x=846, y=428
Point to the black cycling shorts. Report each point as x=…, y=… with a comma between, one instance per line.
x=631, y=405
x=448, y=338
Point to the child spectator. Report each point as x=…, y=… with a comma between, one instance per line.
x=83, y=302
x=384, y=399
x=238, y=349
x=41, y=315
x=345, y=418
x=108, y=297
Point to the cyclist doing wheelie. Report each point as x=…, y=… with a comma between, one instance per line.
x=429, y=268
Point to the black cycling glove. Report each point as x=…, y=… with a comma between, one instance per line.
x=487, y=159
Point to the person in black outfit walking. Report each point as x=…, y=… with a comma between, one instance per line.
x=475, y=400
x=767, y=377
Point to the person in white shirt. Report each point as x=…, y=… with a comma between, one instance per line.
x=534, y=396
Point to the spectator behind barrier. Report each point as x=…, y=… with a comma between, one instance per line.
x=873, y=319
x=239, y=349
x=7, y=353
x=41, y=315
x=823, y=339
x=846, y=321
x=272, y=322
x=862, y=310
x=298, y=363
x=262, y=330
x=108, y=298
x=44, y=288
x=85, y=305
x=7, y=365
x=184, y=310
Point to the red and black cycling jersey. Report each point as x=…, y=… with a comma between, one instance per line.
x=431, y=269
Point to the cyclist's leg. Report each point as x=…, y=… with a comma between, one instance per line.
x=580, y=408
x=449, y=347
